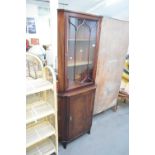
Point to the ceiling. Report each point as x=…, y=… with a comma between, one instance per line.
x=118, y=9
x=41, y=3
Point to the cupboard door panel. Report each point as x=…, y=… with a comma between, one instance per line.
x=80, y=118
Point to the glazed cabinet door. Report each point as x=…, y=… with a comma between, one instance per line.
x=81, y=41
x=80, y=113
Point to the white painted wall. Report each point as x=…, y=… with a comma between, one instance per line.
x=43, y=30
x=32, y=11
x=53, y=15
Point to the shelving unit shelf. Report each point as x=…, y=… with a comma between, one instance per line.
x=45, y=147
x=37, y=85
x=38, y=132
x=38, y=110
x=41, y=110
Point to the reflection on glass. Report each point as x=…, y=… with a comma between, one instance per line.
x=81, y=48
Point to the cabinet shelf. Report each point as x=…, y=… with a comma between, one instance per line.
x=38, y=133
x=38, y=110
x=79, y=63
x=44, y=148
x=37, y=85
x=81, y=40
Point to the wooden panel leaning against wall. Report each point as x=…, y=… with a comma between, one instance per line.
x=113, y=47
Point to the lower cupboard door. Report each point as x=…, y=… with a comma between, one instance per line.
x=80, y=114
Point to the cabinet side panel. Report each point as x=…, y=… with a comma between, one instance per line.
x=62, y=123
x=97, y=46
x=90, y=107
x=61, y=51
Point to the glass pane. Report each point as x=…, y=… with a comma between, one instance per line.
x=81, y=48
x=93, y=26
x=71, y=49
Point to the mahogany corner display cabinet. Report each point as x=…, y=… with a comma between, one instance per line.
x=78, y=41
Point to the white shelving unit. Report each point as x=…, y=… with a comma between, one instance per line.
x=41, y=109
